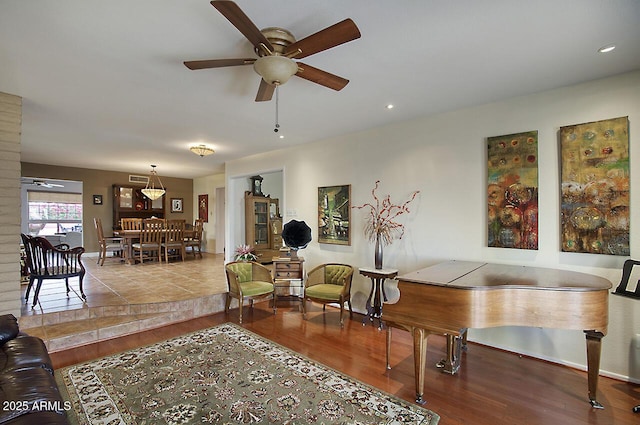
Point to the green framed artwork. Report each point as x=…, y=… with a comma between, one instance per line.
x=334, y=214
x=512, y=191
x=595, y=187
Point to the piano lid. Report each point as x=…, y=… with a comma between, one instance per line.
x=477, y=275
x=442, y=273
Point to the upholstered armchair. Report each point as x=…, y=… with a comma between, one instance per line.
x=329, y=283
x=249, y=280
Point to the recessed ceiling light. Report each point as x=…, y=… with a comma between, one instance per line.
x=607, y=49
x=390, y=106
x=282, y=136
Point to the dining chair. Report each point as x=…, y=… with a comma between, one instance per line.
x=131, y=223
x=113, y=244
x=173, y=241
x=194, y=242
x=150, y=239
x=329, y=283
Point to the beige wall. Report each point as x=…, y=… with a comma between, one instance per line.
x=100, y=182
x=10, y=129
x=209, y=185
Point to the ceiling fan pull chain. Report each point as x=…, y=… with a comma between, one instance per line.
x=276, y=129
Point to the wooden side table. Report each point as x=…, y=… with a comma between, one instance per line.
x=286, y=272
x=377, y=276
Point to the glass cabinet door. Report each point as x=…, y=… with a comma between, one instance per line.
x=261, y=211
x=126, y=197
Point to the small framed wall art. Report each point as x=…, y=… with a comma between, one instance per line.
x=334, y=214
x=203, y=207
x=97, y=199
x=176, y=205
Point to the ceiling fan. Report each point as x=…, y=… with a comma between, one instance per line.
x=276, y=48
x=40, y=183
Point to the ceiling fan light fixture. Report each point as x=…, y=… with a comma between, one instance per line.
x=201, y=150
x=151, y=191
x=275, y=70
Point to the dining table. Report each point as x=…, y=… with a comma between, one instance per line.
x=131, y=236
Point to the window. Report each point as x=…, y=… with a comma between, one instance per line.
x=53, y=212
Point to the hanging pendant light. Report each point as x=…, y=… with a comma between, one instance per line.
x=151, y=191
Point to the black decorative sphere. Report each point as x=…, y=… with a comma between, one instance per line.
x=296, y=234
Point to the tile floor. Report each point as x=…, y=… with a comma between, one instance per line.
x=124, y=299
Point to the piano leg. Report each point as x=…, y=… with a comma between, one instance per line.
x=391, y=325
x=388, y=347
x=455, y=345
x=594, y=339
x=419, y=359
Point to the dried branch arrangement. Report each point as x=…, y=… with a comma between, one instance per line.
x=381, y=218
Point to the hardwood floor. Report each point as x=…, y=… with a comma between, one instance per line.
x=492, y=387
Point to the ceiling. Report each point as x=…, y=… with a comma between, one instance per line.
x=104, y=86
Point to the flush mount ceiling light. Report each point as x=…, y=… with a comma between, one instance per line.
x=607, y=49
x=151, y=191
x=201, y=150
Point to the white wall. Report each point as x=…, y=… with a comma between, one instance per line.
x=444, y=156
x=208, y=185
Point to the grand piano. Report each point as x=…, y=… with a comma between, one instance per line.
x=451, y=297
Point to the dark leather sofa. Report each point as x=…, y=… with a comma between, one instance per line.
x=28, y=390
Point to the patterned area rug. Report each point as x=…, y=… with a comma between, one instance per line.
x=225, y=375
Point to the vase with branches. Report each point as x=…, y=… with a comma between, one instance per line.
x=381, y=226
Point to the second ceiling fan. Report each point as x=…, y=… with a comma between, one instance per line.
x=276, y=48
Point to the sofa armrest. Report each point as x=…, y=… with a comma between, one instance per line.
x=8, y=328
x=26, y=391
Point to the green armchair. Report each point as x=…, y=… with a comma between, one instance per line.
x=248, y=280
x=329, y=283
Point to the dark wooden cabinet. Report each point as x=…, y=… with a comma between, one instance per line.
x=129, y=202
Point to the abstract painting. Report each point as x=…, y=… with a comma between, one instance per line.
x=595, y=187
x=334, y=210
x=512, y=190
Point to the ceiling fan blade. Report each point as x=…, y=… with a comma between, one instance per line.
x=237, y=17
x=321, y=77
x=265, y=91
x=217, y=63
x=332, y=36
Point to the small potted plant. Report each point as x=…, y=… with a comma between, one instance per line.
x=245, y=253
